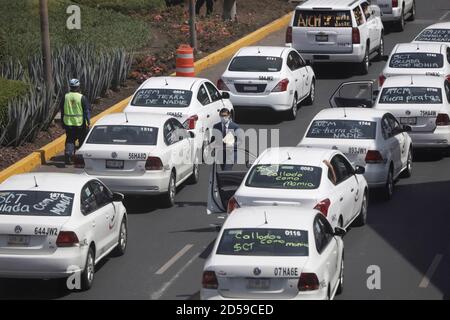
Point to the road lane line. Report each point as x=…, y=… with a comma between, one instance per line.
x=174, y=259
x=426, y=279
x=444, y=16
x=158, y=294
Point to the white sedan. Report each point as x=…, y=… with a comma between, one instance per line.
x=55, y=225
x=275, y=253
x=276, y=78
x=139, y=153
x=370, y=138
x=439, y=33
x=195, y=102
x=422, y=102
x=292, y=176
x=418, y=59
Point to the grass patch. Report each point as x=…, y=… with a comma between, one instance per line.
x=10, y=89
x=125, y=6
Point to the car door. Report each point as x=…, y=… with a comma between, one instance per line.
x=183, y=155
x=399, y=144
x=216, y=105
x=206, y=112
x=304, y=81
x=293, y=64
x=372, y=25
x=172, y=153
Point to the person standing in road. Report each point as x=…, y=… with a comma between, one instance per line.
x=75, y=116
x=231, y=134
x=209, y=6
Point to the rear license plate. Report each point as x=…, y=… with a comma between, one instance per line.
x=258, y=284
x=250, y=88
x=408, y=120
x=18, y=241
x=114, y=164
x=321, y=38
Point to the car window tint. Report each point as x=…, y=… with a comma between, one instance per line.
x=213, y=92
x=179, y=130
x=358, y=16
x=322, y=234
x=88, y=201
x=365, y=8
x=102, y=194
x=341, y=168
x=202, y=96
x=290, y=62
x=447, y=90
x=168, y=130
x=386, y=128
x=393, y=123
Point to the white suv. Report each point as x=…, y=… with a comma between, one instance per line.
x=395, y=11
x=337, y=31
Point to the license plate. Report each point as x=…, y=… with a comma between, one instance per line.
x=18, y=241
x=114, y=164
x=250, y=88
x=321, y=37
x=408, y=120
x=259, y=284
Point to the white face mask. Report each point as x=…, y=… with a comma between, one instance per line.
x=225, y=119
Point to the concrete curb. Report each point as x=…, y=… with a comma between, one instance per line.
x=44, y=154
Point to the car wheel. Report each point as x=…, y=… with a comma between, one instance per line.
x=87, y=276
x=362, y=216
x=412, y=17
x=169, y=197
x=121, y=247
x=193, y=179
x=389, y=188
x=401, y=22
x=380, y=51
x=408, y=170
x=364, y=65
x=292, y=112
x=340, y=288
x=312, y=94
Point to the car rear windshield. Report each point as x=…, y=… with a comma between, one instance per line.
x=417, y=60
x=342, y=129
x=126, y=135
x=322, y=18
x=434, y=35
x=165, y=98
x=284, y=176
x=36, y=203
x=411, y=95
x=256, y=64
x=264, y=242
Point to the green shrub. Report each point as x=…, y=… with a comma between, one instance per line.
x=124, y=5
x=10, y=89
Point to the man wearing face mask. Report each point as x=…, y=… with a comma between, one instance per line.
x=231, y=138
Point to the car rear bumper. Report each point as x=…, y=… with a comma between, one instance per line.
x=376, y=174
x=277, y=101
x=210, y=294
x=353, y=57
x=394, y=15
x=440, y=138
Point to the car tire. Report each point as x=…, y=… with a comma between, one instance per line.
x=193, y=179
x=292, y=112
x=87, y=276
x=312, y=93
x=408, y=170
x=412, y=16
x=380, y=51
x=401, y=23
x=361, y=220
x=388, y=190
x=169, y=196
x=340, y=287
x=121, y=247
x=364, y=64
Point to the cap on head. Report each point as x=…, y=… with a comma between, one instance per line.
x=224, y=111
x=74, y=83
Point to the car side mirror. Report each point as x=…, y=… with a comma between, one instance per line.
x=191, y=134
x=117, y=197
x=385, y=58
x=406, y=128
x=360, y=170
x=213, y=138
x=340, y=232
x=225, y=95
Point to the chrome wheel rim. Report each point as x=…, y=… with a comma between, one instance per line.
x=172, y=188
x=364, y=208
x=409, y=163
x=294, y=108
x=90, y=268
x=366, y=60
x=123, y=236
x=313, y=92
x=382, y=47
x=196, y=171
x=390, y=184
x=342, y=272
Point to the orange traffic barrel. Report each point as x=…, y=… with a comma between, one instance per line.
x=185, y=61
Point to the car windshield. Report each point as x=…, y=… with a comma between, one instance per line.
x=411, y=95
x=126, y=135
x=322, y=18
x=283, y=176
x=36, y=203
x=165, y=98
x=417, y=60
x=264, y=242
x=434, y=35
x=256, y=64
x=342, y=129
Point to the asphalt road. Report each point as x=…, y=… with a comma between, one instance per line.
x=407, y=237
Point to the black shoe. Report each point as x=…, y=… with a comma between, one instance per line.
x=68, y=160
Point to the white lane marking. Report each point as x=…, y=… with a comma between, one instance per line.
x=158, y=294
x=426, y=279
x=444, y=16
x=174, y=259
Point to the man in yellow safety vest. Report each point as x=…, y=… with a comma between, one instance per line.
x=75, y=117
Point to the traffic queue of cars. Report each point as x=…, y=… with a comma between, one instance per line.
x=288, y=208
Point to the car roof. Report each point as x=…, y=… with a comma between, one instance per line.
x=277, y=217
x=329, y=4
x=134, y=119
x=420, y=47
x=262, y=50
x=440, y=25
x=181, y=83
x=46, y=181
x=414, y=81
x=364, y=114
x=297, y=155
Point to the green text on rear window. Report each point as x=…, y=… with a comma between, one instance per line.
x=322, y=19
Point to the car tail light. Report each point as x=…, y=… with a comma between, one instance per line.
x=448, y=77
x=308, y=282
x=78, y=161
x=289, y=35
x=442, y=119
x=323, y=206
x=381, y=79
x=394, y=3
x=222, y=86
x=281, y=86
x=153, y=163
x=191, y=122
x=374, y=156
x=209, y=280
x=232, y=204
x=356, y=38
x=67, y=239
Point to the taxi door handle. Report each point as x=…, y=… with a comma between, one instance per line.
x=341, y=199
x=207, y=116
x=93, y=224
x=352, y=190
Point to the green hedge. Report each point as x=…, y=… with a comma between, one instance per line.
x=124, y=5
x=10, y=89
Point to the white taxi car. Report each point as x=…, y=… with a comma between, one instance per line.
x=54, y=225
x=139, y=153
x=438, y=33
x=293, y=176
x=422, y=102
x=337, y=31
x=195, y=102
x=419, y=59
x=370, y=138
x=396, y=11
x=268, y=77
x=275, y=253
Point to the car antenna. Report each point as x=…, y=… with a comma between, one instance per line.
x=126, y=117
x=412, y=82
x=165, y=80
x=265, y=218
x=345, y=113
x=35, y=182
x=259, y=51
x=289, y=156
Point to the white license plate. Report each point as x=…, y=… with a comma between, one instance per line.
x=408, y=120
x=250, y=88
x=322, y=38
x=114, y=164
x=258, y=284
x=18, y=241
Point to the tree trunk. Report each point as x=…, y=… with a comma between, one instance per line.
x=229, y=10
